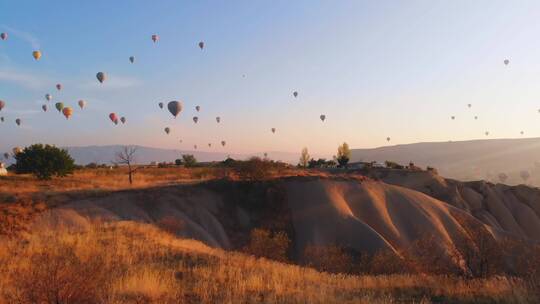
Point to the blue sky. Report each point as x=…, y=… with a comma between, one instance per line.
x=376, y=69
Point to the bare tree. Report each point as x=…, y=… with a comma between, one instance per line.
x=126, y=157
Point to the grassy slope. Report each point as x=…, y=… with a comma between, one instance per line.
x=137, y=263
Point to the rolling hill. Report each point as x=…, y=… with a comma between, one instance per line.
x=466, y=160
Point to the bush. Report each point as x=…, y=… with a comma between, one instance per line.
x=254, y=169
x=189, y=160
x=332, y=259
x=393, y=165
x=44, y=161
x=269, y=245
x=178, y=162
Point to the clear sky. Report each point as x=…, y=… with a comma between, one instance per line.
x=376, y=69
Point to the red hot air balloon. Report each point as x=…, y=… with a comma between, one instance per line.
x=113, y=118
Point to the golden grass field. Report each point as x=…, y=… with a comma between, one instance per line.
x=137, y=263
x=129, y=262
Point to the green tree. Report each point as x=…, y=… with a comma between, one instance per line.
x=304, y=158
x=343, y=155
x=44, y=161
x=189, y=160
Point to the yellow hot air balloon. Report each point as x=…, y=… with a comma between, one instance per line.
x=67, y=111
x=36, y=54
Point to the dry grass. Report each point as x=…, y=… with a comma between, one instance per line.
x=136, y=263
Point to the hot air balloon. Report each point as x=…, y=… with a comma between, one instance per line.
x=218, y=119
x=82, y=104
x=36, y=54
x=17, y=150
x=67, y=111
x=131, y=59
x=452, y=117
x=160, y=105
x=273, y=130
x=521, y=132
x=198, y=108
x=506, y=62
x=113, y=118
x=469, y=105
x=3, y=36
x=322, y=117
x=123, y=120
x=167, y=130
x=175, y=107
x=58, y=86
x=195, y=146
x=101, y=77
x=476, y=117
x=155, y=38
x=18, y=121
x=48, y=97
x=223, y=143
x=295, y=94
x=201, y=45
x=209, y=145
x=265, y=155
x=6, y=155
x=44, y=107
x=59, y=106
x=2, y=119
x=487, y=133
x=388, y=139
x=180, y=141
x=2, y=104
x=195, y=119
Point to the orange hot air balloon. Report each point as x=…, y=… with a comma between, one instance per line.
x=68, y=112
x=36, y=54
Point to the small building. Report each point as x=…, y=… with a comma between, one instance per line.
x=3, y=171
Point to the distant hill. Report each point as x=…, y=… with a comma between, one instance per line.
x=146, y=155
x=466, y=160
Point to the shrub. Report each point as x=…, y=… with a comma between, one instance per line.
x=393, y=165
x=189, y=160
x=178, y=162
x=332, y=259
x=264, y=243
x=44, y=161
x=255, y=168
